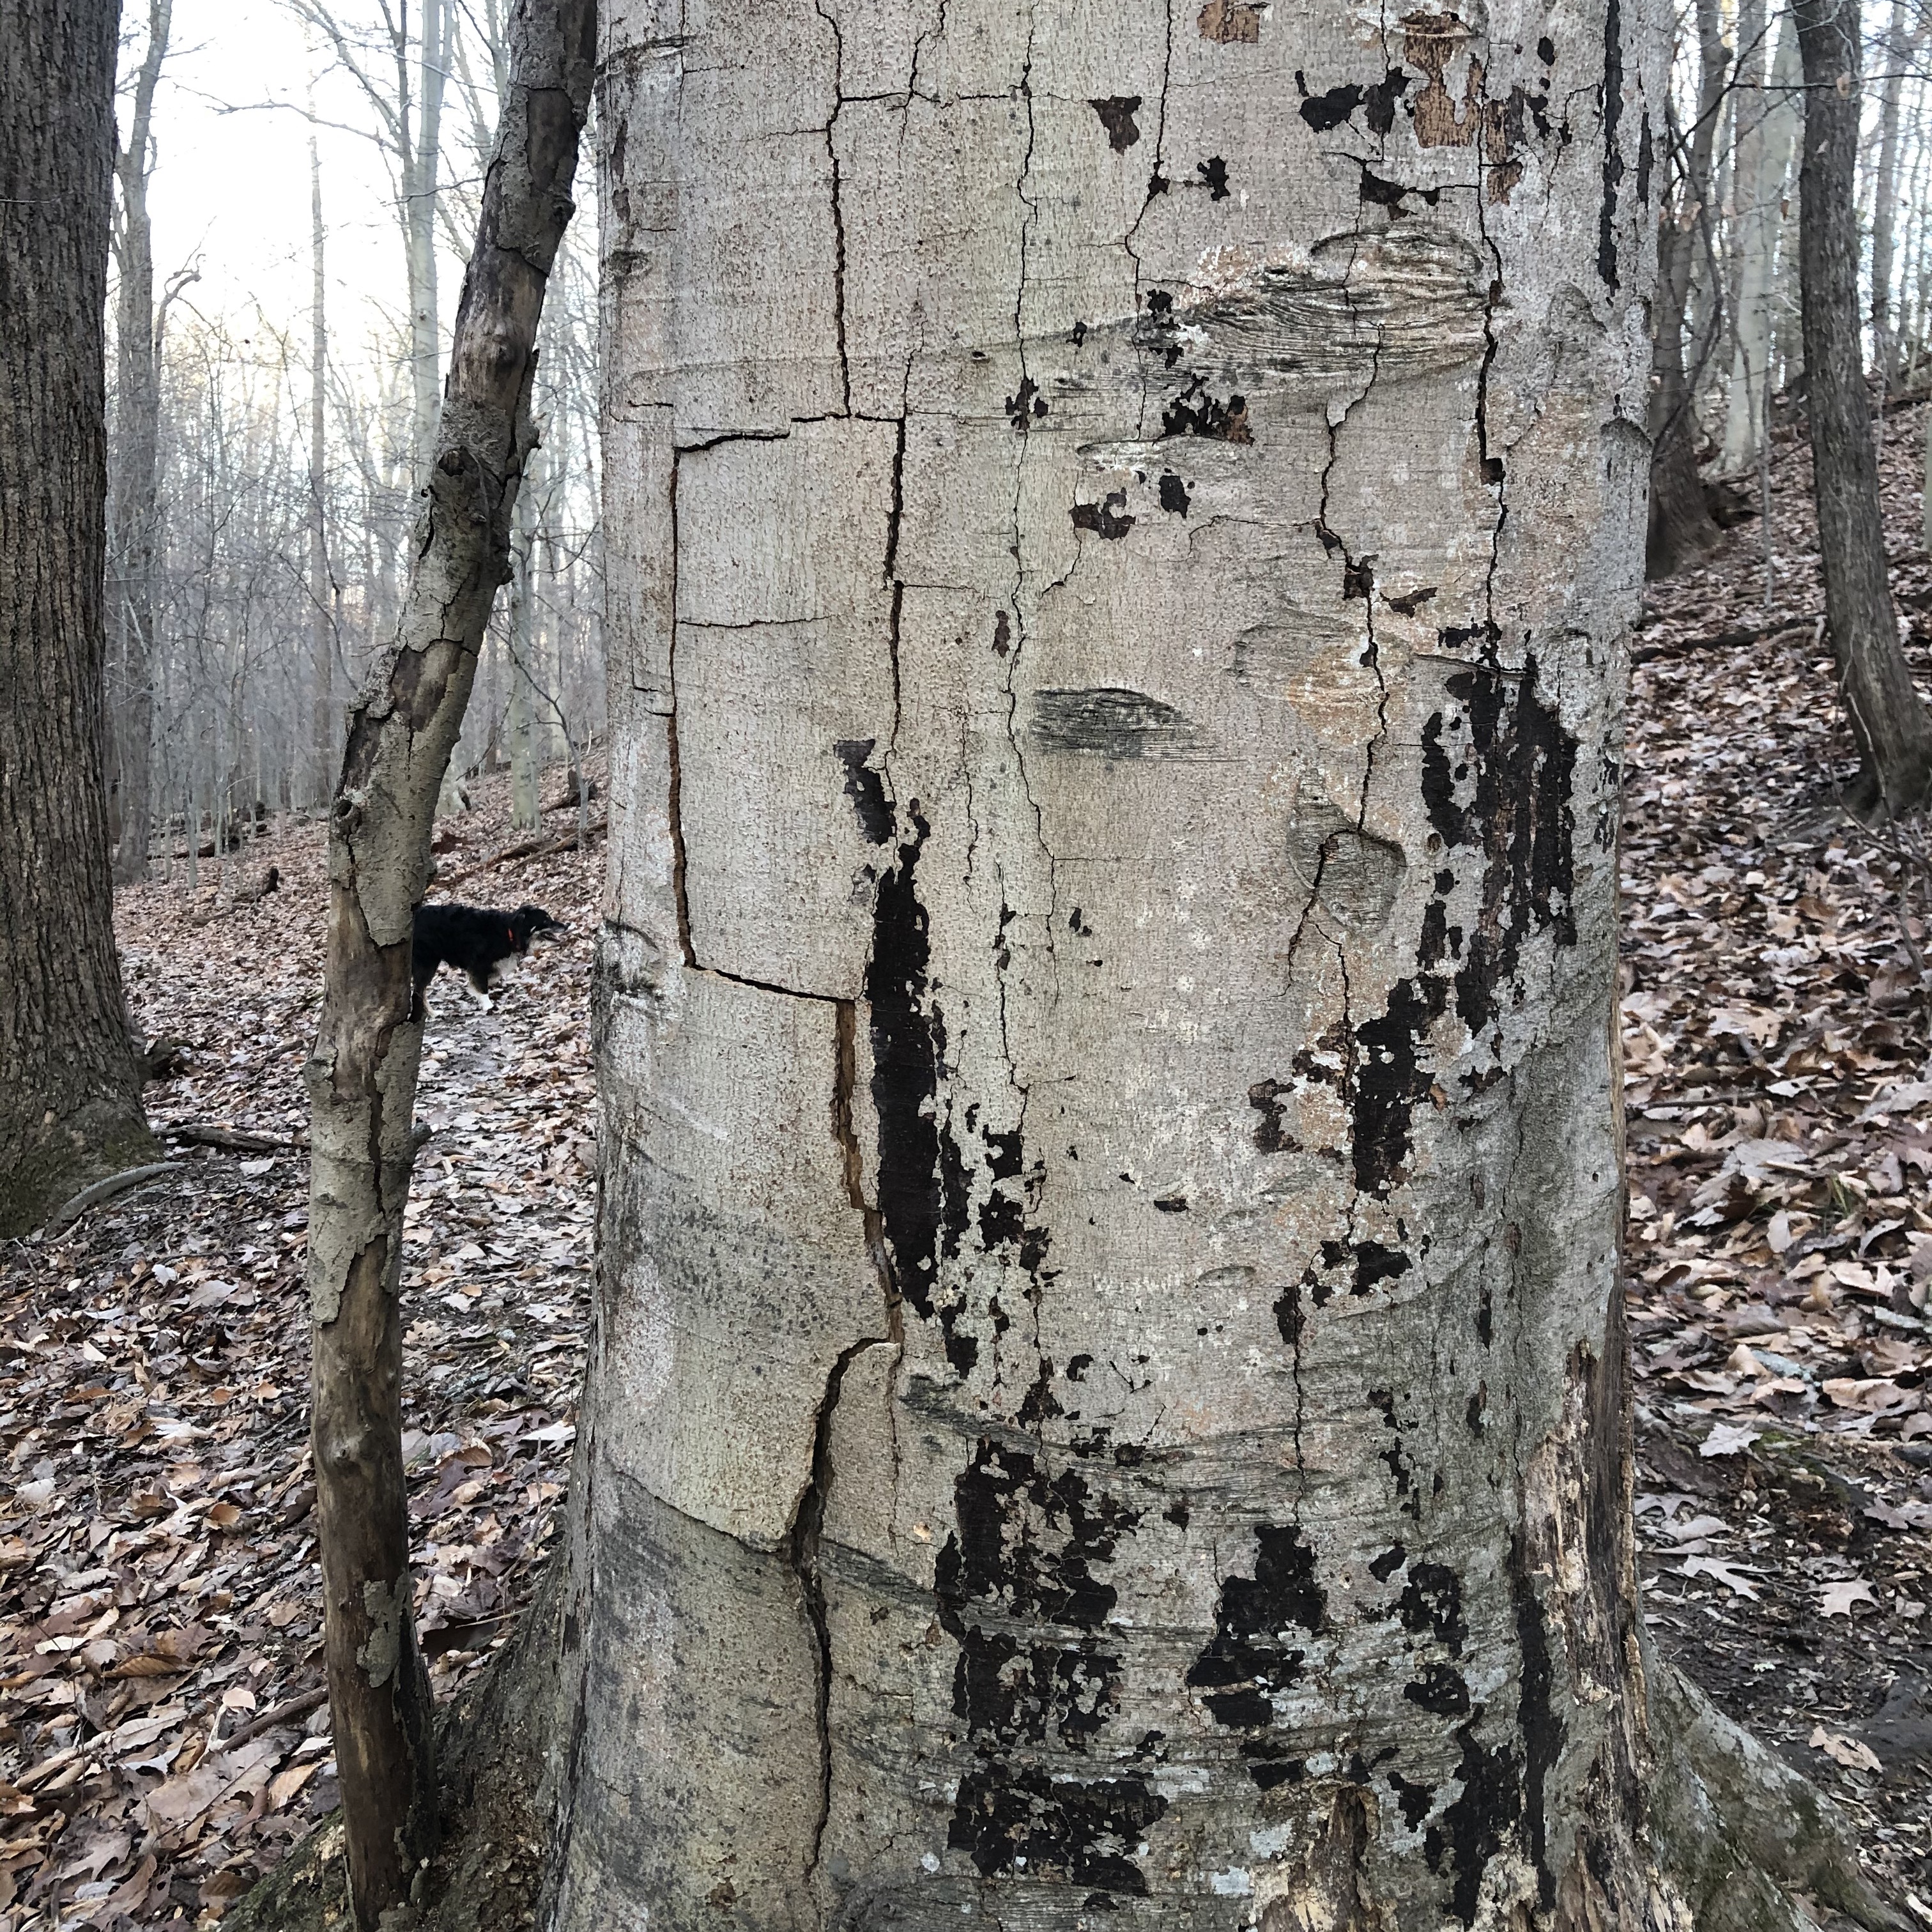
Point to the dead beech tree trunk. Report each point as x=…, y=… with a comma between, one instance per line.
x=1889, y=724
x=362, y=1077
x=1108, y=1403
x=70, y=1098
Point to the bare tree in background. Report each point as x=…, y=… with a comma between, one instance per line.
x=70, y=1100
x=1889, y=723
x=1681, y=527
x=136, y=433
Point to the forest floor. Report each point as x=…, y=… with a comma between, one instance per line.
x=163, y=1738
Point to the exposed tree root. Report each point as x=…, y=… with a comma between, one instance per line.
x=1752, y=1845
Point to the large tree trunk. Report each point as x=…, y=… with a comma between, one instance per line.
x=137, y=356
x=1108, y=1395
x=362, y=1075
x=1681, y=528
x=1768, y=126
x=1889, y=724
x=69, y=1100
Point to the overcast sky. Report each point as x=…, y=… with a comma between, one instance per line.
x=231, y=184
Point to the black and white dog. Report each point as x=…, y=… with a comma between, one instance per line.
x=475, y=941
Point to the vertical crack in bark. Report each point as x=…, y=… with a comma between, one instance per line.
x=845, y=1087
x=801, y=1555
x=1493, y=471
x=675, y=806
x=895, y=520
x=1357, y=573
x=1156, y=181
x=838, y=206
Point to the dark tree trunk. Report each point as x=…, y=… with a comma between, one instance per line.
x=70, y=1102
x=137, y=359
x=1681, y=527
x=361, y=1078
x=1890, y=725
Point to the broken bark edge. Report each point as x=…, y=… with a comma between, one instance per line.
x=1748, y=1841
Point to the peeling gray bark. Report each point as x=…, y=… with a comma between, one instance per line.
x=1108, y=1391
x=361, y=1075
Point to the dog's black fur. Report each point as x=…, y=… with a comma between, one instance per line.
x=475, y=940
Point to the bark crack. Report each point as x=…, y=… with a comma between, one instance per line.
x=802, y=1558
x=838, y=206
x=674, y=805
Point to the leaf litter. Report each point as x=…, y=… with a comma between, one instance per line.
x=164, y=1726
x=1777, y=1088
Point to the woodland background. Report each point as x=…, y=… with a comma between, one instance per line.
x=163, y=1735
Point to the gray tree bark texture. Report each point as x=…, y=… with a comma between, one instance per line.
x=70, y=1098
x=137, y=359
x=1895, y=54
x=361, y=1076
x=1889, y=724
x=1108, y=1393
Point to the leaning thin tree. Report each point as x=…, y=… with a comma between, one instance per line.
x=361, y=1078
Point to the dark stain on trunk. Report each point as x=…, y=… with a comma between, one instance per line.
x=1498, y=769
x=1024, y=1553
x=1613, y=159
x=866, y=788
x=1117, y=115
x=1542, y=1729
x=908, y=1050
x=1108, y=722
x=1246, y=1660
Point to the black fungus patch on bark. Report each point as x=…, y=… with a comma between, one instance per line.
x=921, y=1183
x=1382, y=1567
x=1613, y=159
x=1287, y=1315
x=1108, y=520
x=1477, y=1825
x=1025, y=407
x=1024, y=1553
x=1536, y=1719
x=1440, y=1690
x=1270, y=1136
x=1416, y=1800
x=1010, y=1818
x=1108, y=722
x=1174, y=496
x=1248, y=1657
x=1213, y=173
x=1497, y=776
x=1431, y=1605
x=866, y=788
x=1117, y=115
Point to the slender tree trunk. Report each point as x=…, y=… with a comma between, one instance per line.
x=1889, y=724
x=69, y=1100
x=322, y=638
x=1885, y=336
x=1764, y=163
x=1681, y=527
x=425, y=353
x=361, y=1076
x=524, y=726
x=134, y=536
